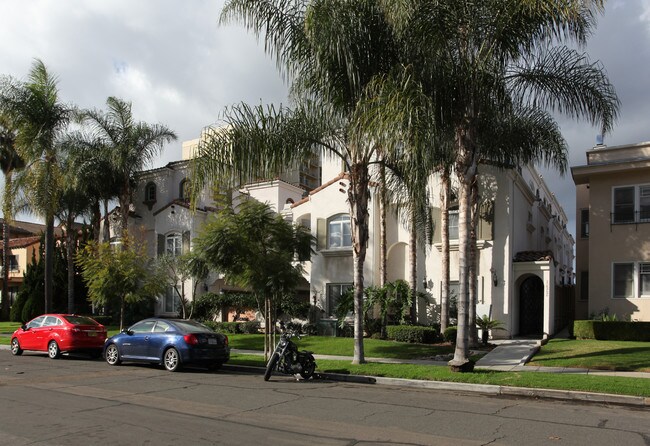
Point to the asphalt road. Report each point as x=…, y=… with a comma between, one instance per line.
x=77, y=401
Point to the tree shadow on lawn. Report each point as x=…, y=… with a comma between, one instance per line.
x=616, y=359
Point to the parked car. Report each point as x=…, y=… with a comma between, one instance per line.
x=173, y=343
x=58, y=333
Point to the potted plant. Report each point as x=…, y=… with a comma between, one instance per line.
x=485, y=323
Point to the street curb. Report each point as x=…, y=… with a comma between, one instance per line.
x=484, y=389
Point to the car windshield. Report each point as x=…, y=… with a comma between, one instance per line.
x=80, y=320
x=192, y=327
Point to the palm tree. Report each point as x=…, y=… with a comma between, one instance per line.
x=40, y=118
x=330, y=50
x=76, y=199
x=10, y=161
x=496, y=62
x=133, y=145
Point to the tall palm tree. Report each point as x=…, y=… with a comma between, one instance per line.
x=40, y=118
x=495, y=61
x=10, y=161
x=133, y=145
x=330, y=50
x=76, y=199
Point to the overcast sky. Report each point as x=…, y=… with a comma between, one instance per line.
x=179, y=68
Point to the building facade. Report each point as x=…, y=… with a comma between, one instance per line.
x=524, y=261
x=613, y=232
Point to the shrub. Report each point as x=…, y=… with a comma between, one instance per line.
x=612, y=330
x=250, y=327
x=411, y=333
x=104, y=320
x=224, y=327
x=450, y=333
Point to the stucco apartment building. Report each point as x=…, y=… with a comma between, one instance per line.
x=613, y=232
x=525, y=251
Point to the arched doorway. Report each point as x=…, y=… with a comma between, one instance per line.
x=531, y=306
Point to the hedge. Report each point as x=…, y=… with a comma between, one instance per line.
x=248, y=327
x=450, y=333
x=612, y=330
x=411, y=333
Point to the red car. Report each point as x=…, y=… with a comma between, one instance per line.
x=57, y=333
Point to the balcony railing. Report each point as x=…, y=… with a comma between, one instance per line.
x=626, y=217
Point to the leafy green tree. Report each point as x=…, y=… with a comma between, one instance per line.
x=40, y=118
x=124, y=276
x=132, y=145
x=189, y=266
x=10, y=161
x=258, y=250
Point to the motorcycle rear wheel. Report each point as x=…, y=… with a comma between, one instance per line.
x=270, y=366
x=308, y=370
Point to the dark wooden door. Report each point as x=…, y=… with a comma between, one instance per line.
x=531, y=307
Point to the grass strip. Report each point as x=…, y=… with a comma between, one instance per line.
x=593, y=354
x=327, y=345
x=541, y=380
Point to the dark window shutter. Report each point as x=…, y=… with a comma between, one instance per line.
x=486, y=221
x=321, y=233
x=436, y=217
x=186, y=242
x=161, y=244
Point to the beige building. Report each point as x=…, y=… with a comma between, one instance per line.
x=613, y=232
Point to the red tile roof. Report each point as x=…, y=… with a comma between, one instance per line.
x=22, y=242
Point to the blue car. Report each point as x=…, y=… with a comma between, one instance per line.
x=173, y=343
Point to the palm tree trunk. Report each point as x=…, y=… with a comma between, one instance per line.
x=49, y=262
x=444, y=235
x=466, y=165
x=107, y=226
x=70, y=250
x=358, y=197
x=473, y=258
x=413, y=268
x=97, y=220
x=382, y=227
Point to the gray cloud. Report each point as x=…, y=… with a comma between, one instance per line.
x=178, y=67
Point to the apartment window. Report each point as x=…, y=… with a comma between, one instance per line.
x=13, y=262
x=174, y=244
x=644, y=203
x=339, y=234
x=184, y=190
x=584, y=223
x=631, y=204
x=150, y=193
x=171, y=301
x=452, y=224
x=623, y=280
x=334, y=293
x=584, y=285
x=644, y=279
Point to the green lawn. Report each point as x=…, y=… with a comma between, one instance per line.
x=326, y=345
x=592, y=354
x=559, y=381
x=8, y=327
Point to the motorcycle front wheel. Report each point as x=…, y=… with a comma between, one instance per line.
x=308, y=369
x=270, y=366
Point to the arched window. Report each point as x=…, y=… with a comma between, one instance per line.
x=184, y=190
x=339, y=234
x=150, y=193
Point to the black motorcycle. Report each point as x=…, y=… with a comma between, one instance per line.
x=287, y=359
